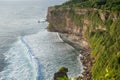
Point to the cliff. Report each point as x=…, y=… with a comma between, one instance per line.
x=60, y=20
x=94, y=29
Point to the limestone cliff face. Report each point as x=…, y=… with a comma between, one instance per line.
x=94, y=29
x=77, y=24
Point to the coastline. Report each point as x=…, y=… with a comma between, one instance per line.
x=84, y=56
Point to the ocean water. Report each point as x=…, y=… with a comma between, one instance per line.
x=27, y=50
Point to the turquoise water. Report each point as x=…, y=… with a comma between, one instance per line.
x=27, y=50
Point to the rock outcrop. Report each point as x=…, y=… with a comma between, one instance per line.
x=62, y=73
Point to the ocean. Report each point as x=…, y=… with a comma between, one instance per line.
x=27, y=50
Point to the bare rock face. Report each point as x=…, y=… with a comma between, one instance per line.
x=59, y=21
x=61, y=73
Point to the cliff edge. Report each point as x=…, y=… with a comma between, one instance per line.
x=97, y=31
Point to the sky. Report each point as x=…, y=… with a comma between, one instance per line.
x=20, y=0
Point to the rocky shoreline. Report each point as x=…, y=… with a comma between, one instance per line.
x=86, y=58
x=60, y=21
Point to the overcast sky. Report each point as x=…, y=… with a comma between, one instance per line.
x=20, y=0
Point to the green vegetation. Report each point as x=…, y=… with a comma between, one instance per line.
x=62, y=74
x=50, y=26
x=64, y=78
x=63, y=69
x=113, y=5
x=105, y=46
x=103, y=34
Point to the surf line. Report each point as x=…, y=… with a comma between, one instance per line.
x=34, y=60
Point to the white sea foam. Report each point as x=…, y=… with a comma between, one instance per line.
x=21, y=19
x=21, y=65
x=53, y=53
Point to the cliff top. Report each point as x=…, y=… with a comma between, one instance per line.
x=112, y=5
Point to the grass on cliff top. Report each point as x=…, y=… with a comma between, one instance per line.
x=113, y=5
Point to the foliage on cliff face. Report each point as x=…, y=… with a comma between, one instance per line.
x=105, y=47
x=103, y=34
x=104, y=39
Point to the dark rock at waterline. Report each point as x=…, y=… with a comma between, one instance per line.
x=61, y=73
